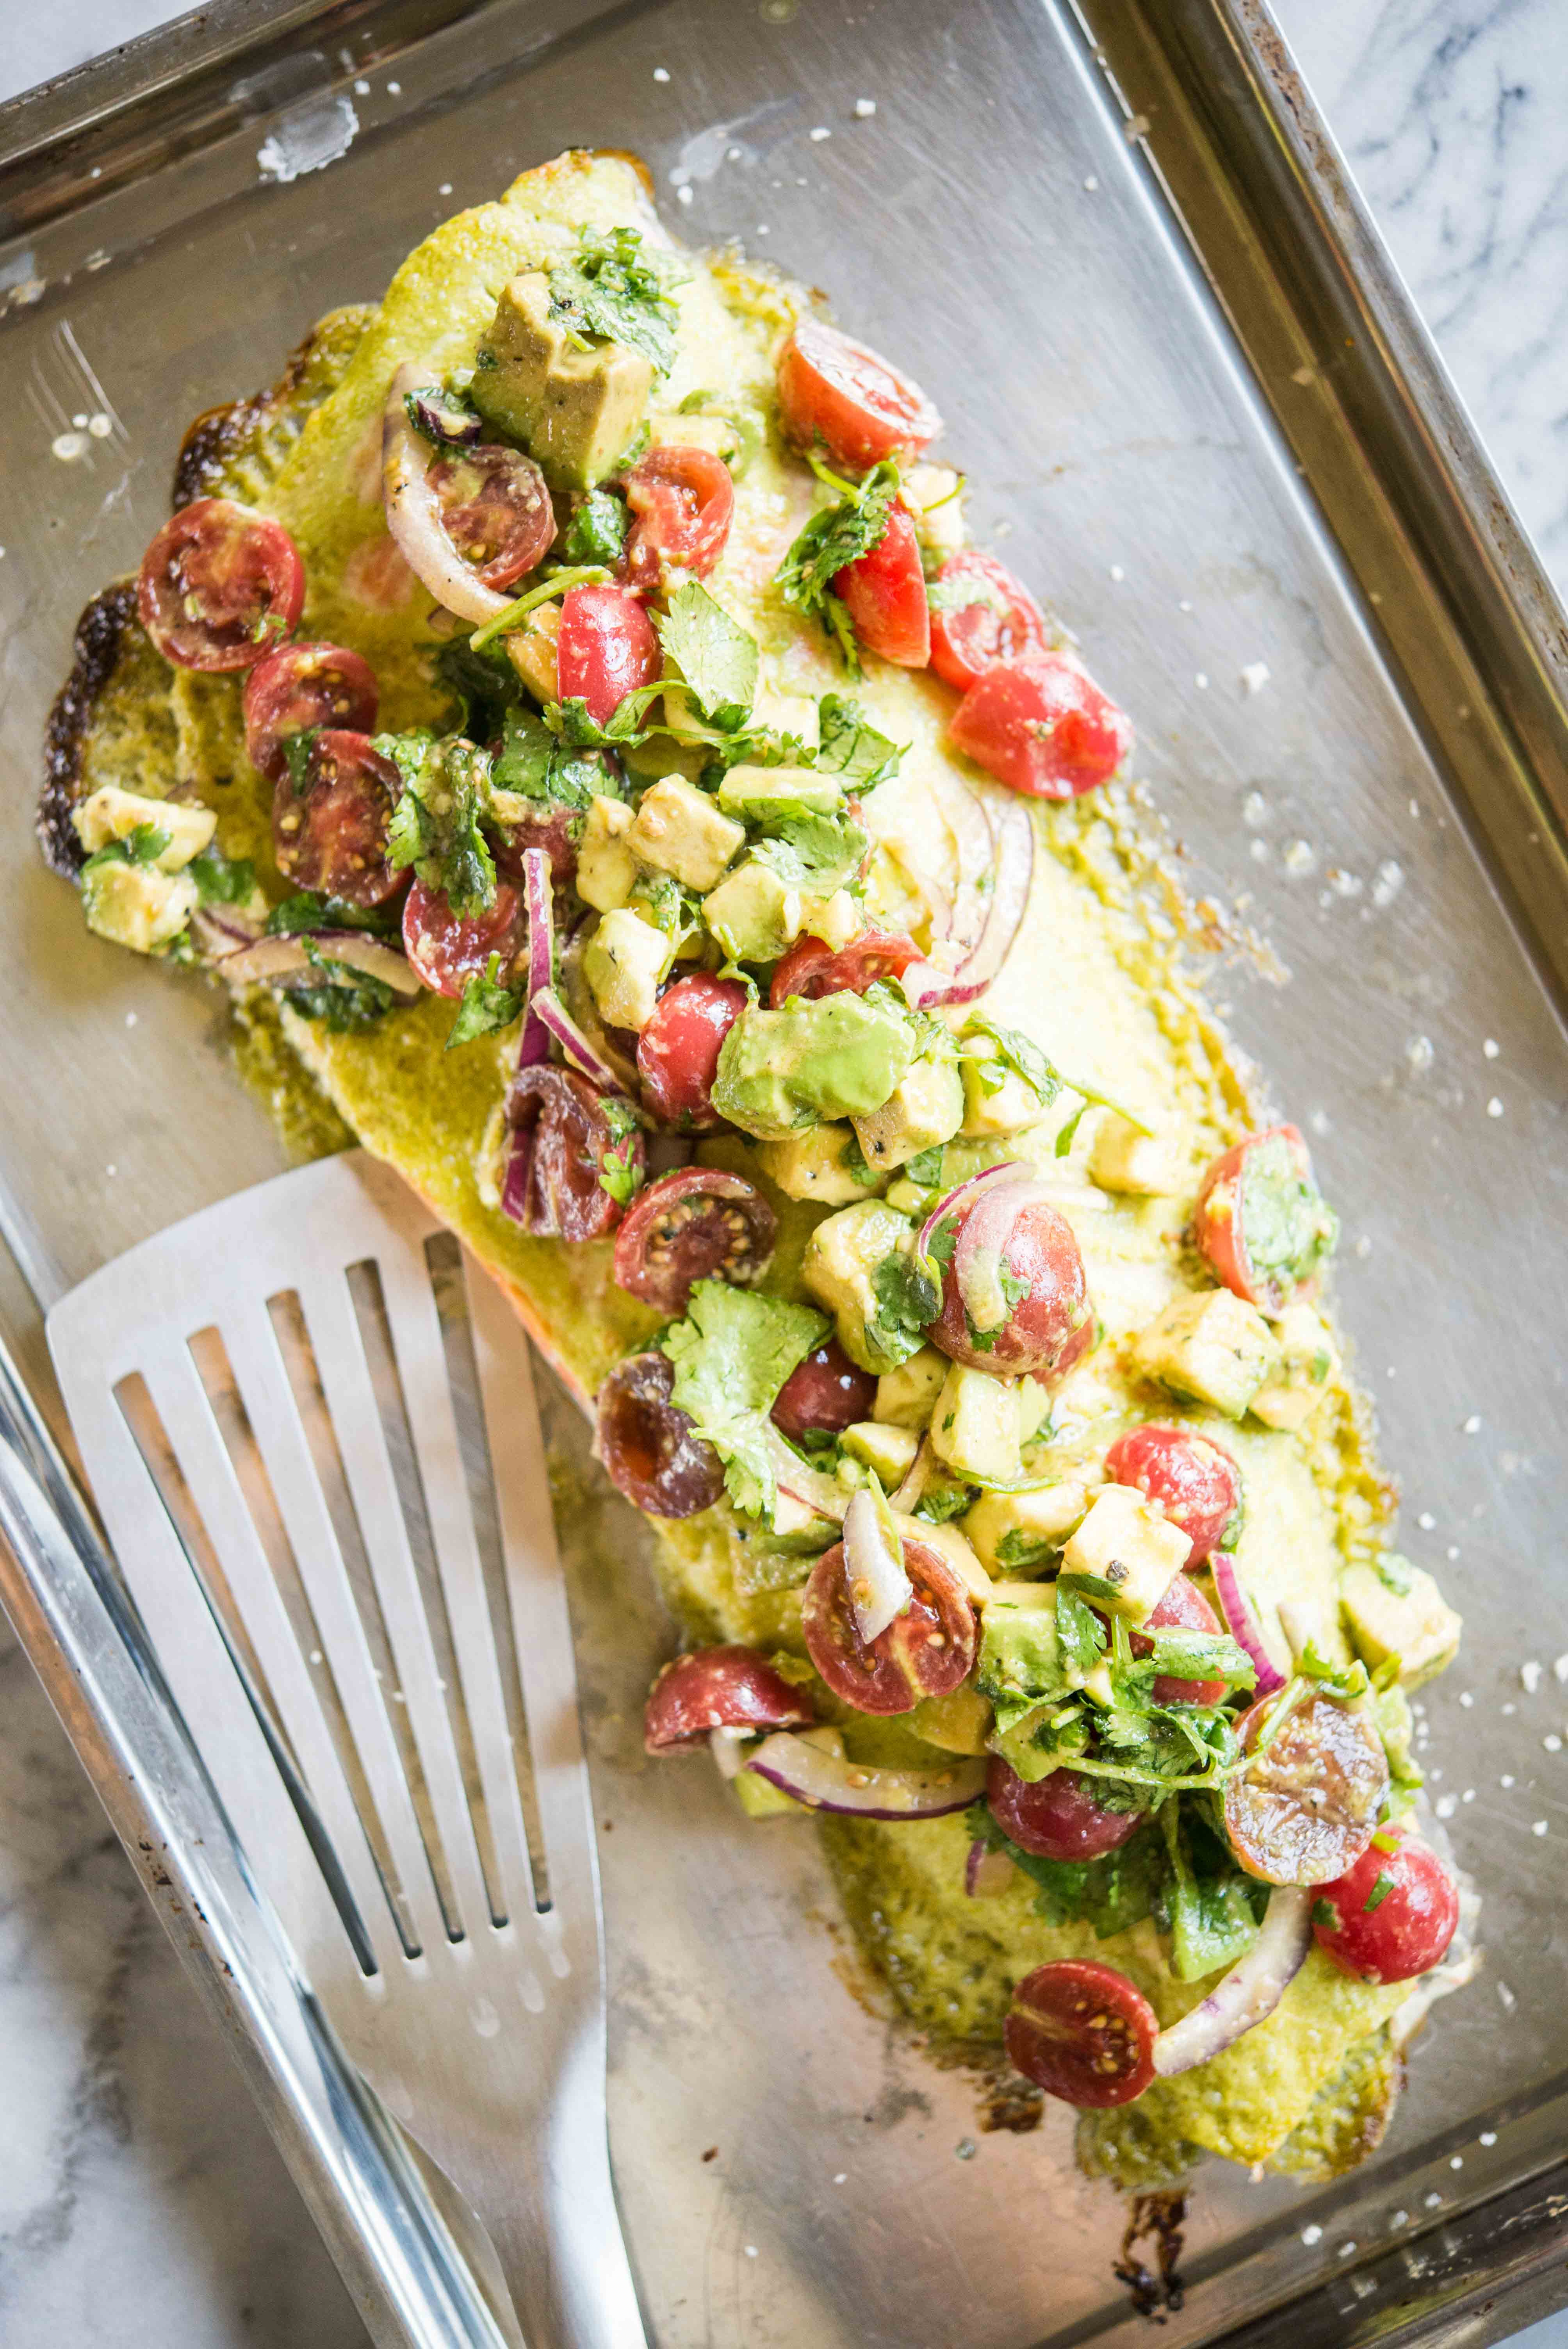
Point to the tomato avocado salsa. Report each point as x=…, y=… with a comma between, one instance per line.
x=569, y=717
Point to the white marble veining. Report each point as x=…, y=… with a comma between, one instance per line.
x=141, y=2201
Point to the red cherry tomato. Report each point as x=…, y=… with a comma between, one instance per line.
x=677, y=1051
x=496, y=509
x=219, y=585
x=684, y=499
x=332, y=836
x=569, y=1137
x=1261, y=1220
x=1041, y=1251
x=646, y=1444
x=447, y=949
x=718, y=1688
x=1194, y=1477
x=1002, y=621
x=1391, y=1916
x=884, y=594
x=1183, y=1609
x=605, y=650
x=1083, y=2032
x=1041, y=727
x=824, y=1394
x=1304, y=1808
x=300, y=687
x=925, y=1652
x=1055, y=1818
x=839, y=393
x=811, y=969
x=556, y=829
x=698, y=1223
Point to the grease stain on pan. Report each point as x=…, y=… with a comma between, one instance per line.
x=309, y=137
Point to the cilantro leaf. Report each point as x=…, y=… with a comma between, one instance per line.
x=715, y=656
x=814, y=853
x=1080, y=1635
x=835, y=536
x=1290, y=1227
x=296, y=750
x=305, y=910
x=1379, y=1892
x=532, y=762
x=619, y=1173
x=435, y=826
x=597, y=530
x=574, y=723
x=613, y=291
x=221, y=880
x=1112, y=1893
x=907, y=1301
x=143, y=845
x=346, y=1000
x=1211, y=1906
x=851, y=746
x=731, y=1355
x=487, y=1006
x=483, y=684
x=925, y=1168
x=943, y=1241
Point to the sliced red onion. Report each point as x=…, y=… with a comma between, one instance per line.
x=725, y=1745
x=966, y=819
x=984, y=1233
x=1250, y=1993
x=414, y=517
x=223, y=930
x=879, y=1588
x=938, y=901
x=533, y=1045
x=549, y=1009
x=276, y=961
x=986, y=1871
x=807, y=1486
x=907, y=1493
x=514, y=1182
x=439, y=419
x=965, y=1194
x=826, y=1782
x=1242, y=1624
x=578, y=997
x=923, y=983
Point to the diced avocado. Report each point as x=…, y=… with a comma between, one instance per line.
x=108, y=813
x=791, y=1520
x=791, y=714
x=658, y=898
x=889, y=1450
x=606, y=868
x=753, y=794
x=907, y=1397
x=1003, y=1108
x=975, y=1425
x=678, y=829
x=839, y=1056
x=1309, y=1363
x=1394, y=1608
x=953, y=1547
x=1211, y=1345
x=813, y=1165
x=959, y=1723
x=934, y=494
x=924, y=1108
x=1020, y=1663
x=1128, y=1548
x=715, y=434
x=1149, y=1166
x=760, y=1799
x=531, y=650
x=839, y=1268
x=751, y=913
x=835, y=920
x=137, y=905
x=622, y=962
x=1015, y=1531
x=574, y=411
x=1033, y=1410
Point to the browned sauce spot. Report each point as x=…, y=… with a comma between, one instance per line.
x=217, y=435
x=95, y=651
x=1158, y=2219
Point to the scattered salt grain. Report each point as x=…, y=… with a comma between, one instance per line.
x=1399, y=2219
x=1092, y=185
x=1345, y=2249
x=69, y=446
x=1453, y=1554
x=1457, y=2161
x=1255, y=676
x=1260, y=852
x=1487, y=2136
x=80, y=422
x=1419, y=1053
x=821, y=132
x=1509, y=1707
x=1506, y=1781
x=130, y=1019
x=315, y=1655
x=1301, y=858
x=1469, y=1795
x=1318, y=1120
x=1466, y=1699
x=1447, y=1805
x=1426, y=1522
x=1117, y=573
x=839, y=2176
x=683, y=195
x=1202, y=682
x=1387, y=882
x=1430, y=2201
x=1344, y=885
x=1472, y=1424
x=393, y=90
x=1538, y=1826
x=445, y=189
x=362, y=89
x=1560, y=1670
x=1506, y=1998
x=1184, y=605
x=1490, y=1047
x=111, y=1170
x=1363, y=1246
x=751, y=2250
x=864, y=109
x=1529, y=1677
x=1255, y=810
x=1310, y=2235
x=1494, y=1107
x=1553, y=1743
x=964, y=2149
x=661, y=73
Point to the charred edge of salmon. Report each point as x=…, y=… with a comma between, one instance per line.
x=219, y=433
x=95, y=654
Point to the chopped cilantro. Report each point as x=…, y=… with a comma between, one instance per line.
x=619, y=1173
x=1394, y=1572
x=1344, y=1682
x=943, y=1240
x=307, y=911
x=573, y=722
x=616, y=292
x=943, y=1497
x=296, y=750
x=1379, y=1892
x=1290, y=1228
x=144, y=845
x=715, y=656
x=483, y=684
x=1325, y=1914
x=908, y=1300
x=1080, y=1634
x=814, y=853
x=544, y=591
x=1209, y=1902
x=1112, y=1893
x=487, y=1006
x=1017, y=1548
x=223, y=879
x=835, y=536
x=346, y=1000
x=597, y=530
x=731, y=1355
x=435, y=826
x=851, y=746
x=855, y=1165
x=532, y=762
x=430, y=401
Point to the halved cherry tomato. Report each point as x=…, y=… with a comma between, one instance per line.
x=718, y=1688
x=332, y=836
x=1183, y=1609
x=219, y=585
x=698, y=1223
x=811, y=969
x=1261, y=1219
x=1000, y=621
x=684, y=499
x=1042, y=726
x=647, y=1447
x=1060, y=1817
x=299, y=688
x=496, y=509
x=824, y=1394
x=1196, y=1479
x=1391, y=1916
x=605, y=648
x=556, y=829
x=571, y=1137
x=1304, y=1808
x=884, y=594
x=925, y=1652
x=677, y=1050
x=447, y=949
x=837, y=392
x=1053, y=1311
x=1083, y=2032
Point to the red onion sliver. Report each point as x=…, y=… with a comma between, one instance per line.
x=878, y=1585
x=903, y=1499
x=806, y=1485
x=983, y=1236
x=274, y=961
x=963, y=1194
x=923, y=984
x=1242, y=1624
x=413, y=516
x=1250, y=1993
x=967, y=819
x=552, y=1012
x=725, y=1745
x=533, y=1045
x=514, y=1183
x=986, y=1872
x=826, y=1782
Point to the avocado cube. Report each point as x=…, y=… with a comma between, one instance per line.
x=889, y=1450
x=1394, y=1608
x=760, y=1799
x=1033, y=1410
x=1013, y=1104
x=574, y=411
x=1146, y=1166
x=1309, y=1363
x=812, y=1165
x=1020, y=1664
x=907, y=1397
x=975, y=1425
x=622, y=962
x=753, y=794
x=532, y=652
x=751, y=913
x=606, y=868
x=1013, y=1531
x=954, y=1548
x=1129, y=1547
x=839, y=1266
x=835, y=920
x=926, y=1107
x=137, y=905
x=934, y=494
x=839, y=1056
x=959, y=1723
x=715, y=434
x=108, y=813
x=1211, y=1345
x=678, y=829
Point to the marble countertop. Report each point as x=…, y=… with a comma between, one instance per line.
x=140, y=2199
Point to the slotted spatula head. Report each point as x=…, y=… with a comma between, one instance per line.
x=309, y=1424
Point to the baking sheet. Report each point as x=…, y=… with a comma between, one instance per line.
x=992, y=225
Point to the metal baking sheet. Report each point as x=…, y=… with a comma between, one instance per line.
x=1196, y=413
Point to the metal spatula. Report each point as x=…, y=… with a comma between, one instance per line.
x=310, y=1427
